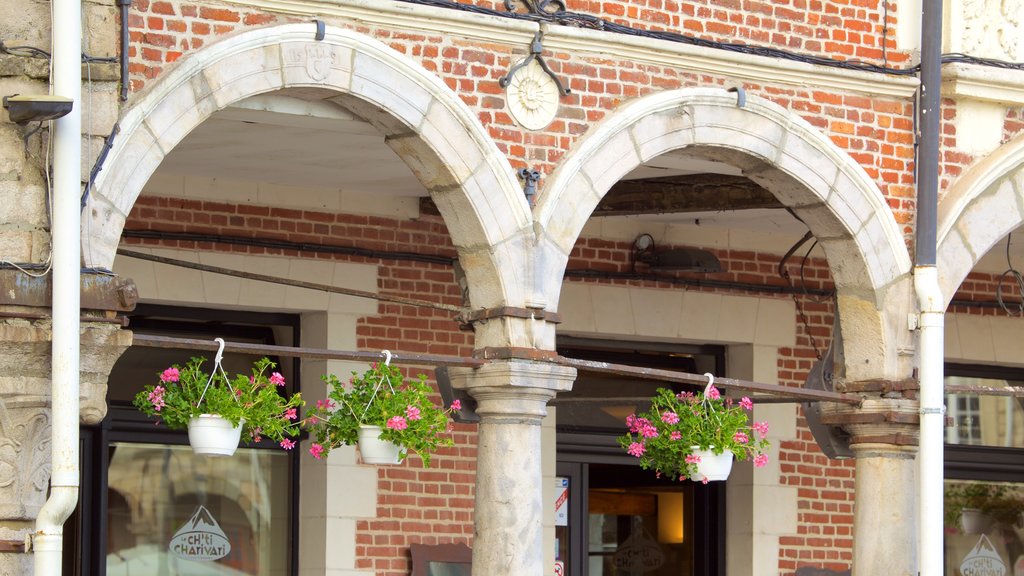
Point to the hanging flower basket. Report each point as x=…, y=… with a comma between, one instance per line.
x=711, y=466
x=376, y=450
x=252, y=405
x=683, y=433
x=402, y=411
x=211, y=435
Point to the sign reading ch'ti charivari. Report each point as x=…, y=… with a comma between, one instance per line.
x=200, y=538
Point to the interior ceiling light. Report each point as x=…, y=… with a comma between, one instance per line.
x=673, y=259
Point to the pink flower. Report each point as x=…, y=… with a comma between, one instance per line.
x=316, y=450
x=255, y=433
x=740, y=437
x=675, y=435
x=287, y=444
x=412, y=413
x=686, y=397
x=761, y=460
x=704, y=480
x=238, y=393
x=456, y=404
x=761, y=428
x=692, y=459
x=170, y=375
x=713, y=393
x=747, y=403
x=636, y=449
x=290, y=414
x=397, y=423
x=157, y=397
x=276, y=379
x=669, y=417
x=641, y=426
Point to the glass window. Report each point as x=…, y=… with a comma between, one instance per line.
x=171, y=512
x=984, y=528
x=984, y=420
x=983, y=504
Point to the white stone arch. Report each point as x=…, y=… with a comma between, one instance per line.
x=984, y=205
x=783, y=153
x=424, y=122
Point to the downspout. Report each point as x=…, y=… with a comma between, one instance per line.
x=931, y=351
x=47, y=541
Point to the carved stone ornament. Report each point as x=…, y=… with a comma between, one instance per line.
x=992, y=29
x=532, y=97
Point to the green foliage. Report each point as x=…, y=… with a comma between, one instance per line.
x=996, y=501
x=379, y=397
x=252, y=400
x=665, y=437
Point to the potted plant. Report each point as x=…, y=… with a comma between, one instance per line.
x=217, y=411
x=380, y=406
x=974, y=507
x=682, y=434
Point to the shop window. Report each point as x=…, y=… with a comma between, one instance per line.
x=149, y=505
x=613, y=518
x=984, y=498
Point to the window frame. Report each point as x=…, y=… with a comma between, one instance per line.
x=85, y=545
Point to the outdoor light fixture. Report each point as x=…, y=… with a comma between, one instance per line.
x=22, y=109
x=467, y=414
x=673, y=259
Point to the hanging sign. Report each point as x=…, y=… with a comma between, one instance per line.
x=983, y=560
x=561, y=501
x=200, y=538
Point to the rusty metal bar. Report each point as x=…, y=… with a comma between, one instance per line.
x=289, y=282
x=307, y=353
x=1016, y=391
x=798, y=394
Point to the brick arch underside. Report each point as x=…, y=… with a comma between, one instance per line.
x=980, y=209
x=422, y=120
x=780, y=151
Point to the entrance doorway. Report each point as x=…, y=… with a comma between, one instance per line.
x=616, y=519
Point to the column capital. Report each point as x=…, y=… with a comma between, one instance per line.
x=889, y=424
x=513, y=388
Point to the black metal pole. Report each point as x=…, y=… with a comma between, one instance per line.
x=929, y=119
x=124, y=5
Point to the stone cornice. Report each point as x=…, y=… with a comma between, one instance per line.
x=962, y=80
x=487, y=28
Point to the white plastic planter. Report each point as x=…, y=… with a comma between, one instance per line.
x=377, y=451
x=211, y=435
x=713, y=466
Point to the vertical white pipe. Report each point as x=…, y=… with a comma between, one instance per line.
x=930, y=456
x=67, y=188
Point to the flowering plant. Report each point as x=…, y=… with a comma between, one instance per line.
x=666, y=436
x=379, y=397
x=185, y=392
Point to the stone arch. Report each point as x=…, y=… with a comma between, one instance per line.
x=783, y=153
x=423, y=121
x=984, y=205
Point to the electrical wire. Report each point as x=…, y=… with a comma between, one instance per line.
x=575, y=19
x=1012, y=273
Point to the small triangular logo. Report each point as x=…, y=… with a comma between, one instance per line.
x=200, y=538
x=983, y=560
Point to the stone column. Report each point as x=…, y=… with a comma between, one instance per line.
x=511, y=400
x=884, y=438
x=25, y=417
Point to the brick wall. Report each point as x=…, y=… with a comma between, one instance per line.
x=877, y=132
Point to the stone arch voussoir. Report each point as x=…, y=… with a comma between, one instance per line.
x=423, y=120
x=984, y=205
x=800, y=166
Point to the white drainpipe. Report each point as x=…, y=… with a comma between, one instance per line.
x=930, y=457
x=65, y=238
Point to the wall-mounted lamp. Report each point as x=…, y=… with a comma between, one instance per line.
x=22, y=109
x=467, y=414
x=673, y=259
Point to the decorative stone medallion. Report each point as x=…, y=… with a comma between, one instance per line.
x=532, y=97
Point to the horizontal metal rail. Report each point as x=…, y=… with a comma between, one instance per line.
x=793, y=394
